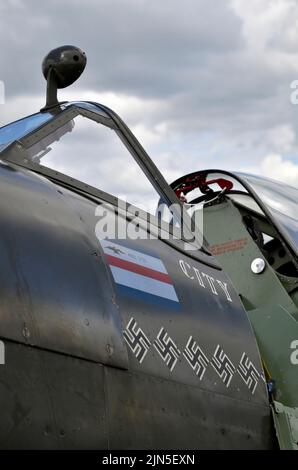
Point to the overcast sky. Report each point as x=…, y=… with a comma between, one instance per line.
x=202, y=83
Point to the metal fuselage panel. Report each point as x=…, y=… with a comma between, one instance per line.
x=93, y=336
x=271, y=310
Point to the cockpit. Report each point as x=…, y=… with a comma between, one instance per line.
x=241, y=210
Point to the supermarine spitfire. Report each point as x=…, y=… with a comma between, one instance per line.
x=155, y=341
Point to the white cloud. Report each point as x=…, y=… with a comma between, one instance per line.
x=276, y=167
x=264, y=20
x=201, y=83
x=279, y=168
x=281, y=137
x=18, y=107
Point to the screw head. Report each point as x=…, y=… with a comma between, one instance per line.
x=258, y=265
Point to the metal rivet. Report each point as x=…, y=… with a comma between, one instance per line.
x=26, y=332
x=109, y=349
x=258, y=265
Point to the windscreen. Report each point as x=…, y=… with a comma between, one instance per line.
x=281, y=200
x=18, y=129
x=93, y=154
x=82, y=146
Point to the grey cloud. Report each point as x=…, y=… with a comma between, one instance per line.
x=193, y=57
x=133, y=46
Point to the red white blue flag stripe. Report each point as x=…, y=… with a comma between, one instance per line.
x=139, y=271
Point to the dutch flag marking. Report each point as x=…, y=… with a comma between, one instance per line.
x=138, y=271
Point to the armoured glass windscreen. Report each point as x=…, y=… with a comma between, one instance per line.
x=18, y=129
x=281, y=200
x=94, y=154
